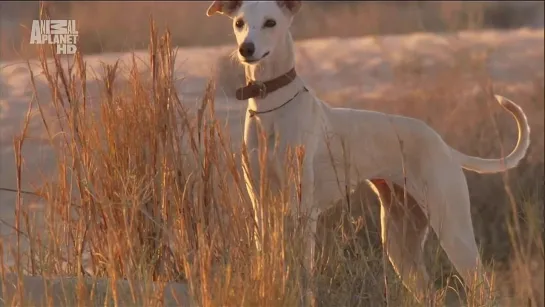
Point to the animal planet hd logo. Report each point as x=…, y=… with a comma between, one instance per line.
x=62, y=33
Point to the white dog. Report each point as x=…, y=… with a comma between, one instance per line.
x=344, y=147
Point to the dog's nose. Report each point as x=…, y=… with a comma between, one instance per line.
x=246, y=49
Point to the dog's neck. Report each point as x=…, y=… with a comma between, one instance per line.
x=276, y=64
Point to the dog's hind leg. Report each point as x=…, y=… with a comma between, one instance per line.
x=450, y=218
x=404, y=230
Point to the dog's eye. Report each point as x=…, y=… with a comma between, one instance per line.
x=269, y=23
x=239, y=23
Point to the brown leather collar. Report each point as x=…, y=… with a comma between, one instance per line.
x=256, y=89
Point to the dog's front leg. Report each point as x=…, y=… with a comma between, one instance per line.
x=309, y=218
x=251, y=168
x=252, y=175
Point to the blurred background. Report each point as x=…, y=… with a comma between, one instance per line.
x=108, y=26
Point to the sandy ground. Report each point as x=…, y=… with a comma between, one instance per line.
x=64, y=292
x=360, y=67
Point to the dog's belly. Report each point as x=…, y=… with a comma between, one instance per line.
x=356, y=146
x=334, y=180
x=331, y=185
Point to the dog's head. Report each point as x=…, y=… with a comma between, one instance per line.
x=258, y=25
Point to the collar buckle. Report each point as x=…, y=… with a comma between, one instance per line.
x=261, y=87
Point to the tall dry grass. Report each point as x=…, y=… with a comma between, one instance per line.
x=150, y=192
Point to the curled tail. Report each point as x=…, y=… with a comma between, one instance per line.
x=480, y=165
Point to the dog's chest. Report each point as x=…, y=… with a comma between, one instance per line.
x=258, y=133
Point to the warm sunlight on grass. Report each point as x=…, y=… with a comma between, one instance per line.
x=148, y=207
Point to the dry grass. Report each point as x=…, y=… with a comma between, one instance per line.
x=148, y=191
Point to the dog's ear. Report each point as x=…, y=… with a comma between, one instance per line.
x=227, y=8
x=292, y=6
